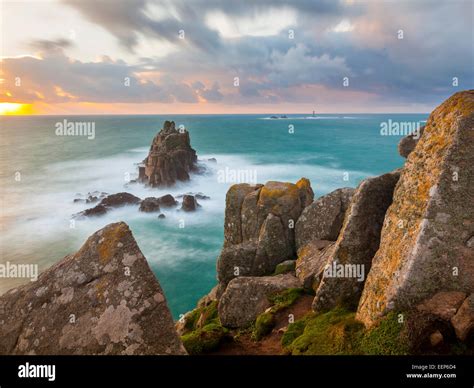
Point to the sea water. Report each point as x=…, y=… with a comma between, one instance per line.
x=42, y=173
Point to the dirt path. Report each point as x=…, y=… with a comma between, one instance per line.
x=270, y=344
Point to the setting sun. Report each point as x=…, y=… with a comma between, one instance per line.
x=8, y=108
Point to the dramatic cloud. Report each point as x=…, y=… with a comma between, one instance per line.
x=401, y=53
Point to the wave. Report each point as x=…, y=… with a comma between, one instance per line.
x=39, y=227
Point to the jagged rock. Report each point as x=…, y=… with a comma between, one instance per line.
x=167, y=201
x=259, y=227
x=463, y=321
x=444, y=304
x=109, y=202
x=408, y=143
x=104, y=299
x=357, y=243
x=171, y=157
x=150, y=205
x=214, y=160
x=161, y=216
x=189, y=203
x=423, y=246
x=247, y=297
x=322, y=219
x=312, y=259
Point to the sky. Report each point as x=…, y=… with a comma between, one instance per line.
x=215, y=56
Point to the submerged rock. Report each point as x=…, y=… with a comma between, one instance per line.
x=424, y=245
x=104, y=299
x=150, y=205
x=247, y=297
x=167, y=201
x=110, y=202
x=189, y=203
x=170, y=158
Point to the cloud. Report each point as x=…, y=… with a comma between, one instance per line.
x=227, y=39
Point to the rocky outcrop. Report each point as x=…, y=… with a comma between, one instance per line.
x=259, y=227
x=150, y=205
x=110, y=202
x=425, y=238
x=189, y=203
x=104, y=299
x=171, y=157
x=408, y=143
x=322, y=219
x=359, y=238
x=167, y=201
x=247, y=297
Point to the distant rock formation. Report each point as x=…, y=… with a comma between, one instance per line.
x=189, y=203
x=259, y=227
x=428, y=233
x=170, y=158
x=110, y=202
x=103, y=299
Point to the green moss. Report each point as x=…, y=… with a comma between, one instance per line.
x=285, y=267
x=266, y=321
x=204, y=330
x=285, y=298
x=294, y=331
x=204, y=340
x=385, y=338
x=334, y=332
x=263, y=325
x=338, y=332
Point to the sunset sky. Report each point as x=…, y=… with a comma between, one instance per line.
x=183, y=56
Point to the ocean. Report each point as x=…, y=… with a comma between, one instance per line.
x=42, y=173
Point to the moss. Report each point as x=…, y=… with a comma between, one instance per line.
x=202, y=316
x=204, y=331
x=205, y=339
x=285, y=298
x=338, y=332
x=334, y=332
x=285, y=267
x=294, y=330
x=386, y=338
x=263, y=325
x=266, y=321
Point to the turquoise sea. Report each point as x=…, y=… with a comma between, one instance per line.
x=41, y=173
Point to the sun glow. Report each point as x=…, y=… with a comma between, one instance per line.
x=8, y=108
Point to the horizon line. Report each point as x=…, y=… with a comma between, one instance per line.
x=207, y=114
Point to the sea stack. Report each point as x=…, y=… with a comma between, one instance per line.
x=171, y=157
